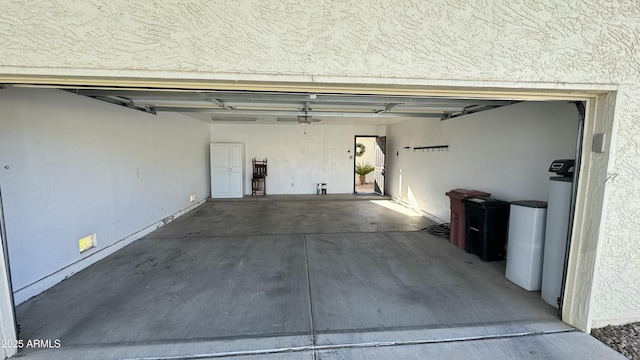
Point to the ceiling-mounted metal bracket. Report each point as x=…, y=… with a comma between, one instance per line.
x=388, y=107
x=306, y=118
x=221, y=104
x=119, y=100
x=126, y=103
x=472, y=109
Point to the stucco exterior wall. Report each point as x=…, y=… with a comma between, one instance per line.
x=542, y=40
x=517, y=44
x=617, y=274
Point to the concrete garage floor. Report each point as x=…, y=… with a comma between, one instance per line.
x=282, y=279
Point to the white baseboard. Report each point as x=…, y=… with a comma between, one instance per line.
x=25, y=293
x=431, y=217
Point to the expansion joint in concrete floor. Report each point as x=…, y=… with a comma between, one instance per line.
x=306, y=262
x=315, y=348
x=379, y=344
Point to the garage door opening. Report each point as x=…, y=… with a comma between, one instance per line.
x=412, y=177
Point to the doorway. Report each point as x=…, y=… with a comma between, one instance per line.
x=369, y=165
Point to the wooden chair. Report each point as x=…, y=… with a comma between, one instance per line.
x=258, y=181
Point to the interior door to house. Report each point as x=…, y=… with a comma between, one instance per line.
x=226, y=170
x=378, y=173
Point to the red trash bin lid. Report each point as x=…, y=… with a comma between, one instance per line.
x=460, y=194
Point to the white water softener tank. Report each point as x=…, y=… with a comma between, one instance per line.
x=526, y=243
x=555, y=244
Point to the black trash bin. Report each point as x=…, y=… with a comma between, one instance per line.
x=487, y=227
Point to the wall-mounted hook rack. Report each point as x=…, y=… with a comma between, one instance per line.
x=432, y=148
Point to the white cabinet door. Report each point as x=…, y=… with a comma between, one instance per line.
x=227, y=162
x=220, y=181
x=236, y=163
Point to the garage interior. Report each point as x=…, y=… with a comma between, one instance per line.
x=294, y=273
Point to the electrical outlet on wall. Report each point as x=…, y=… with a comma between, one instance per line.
x=87, y=243
x=192, y=197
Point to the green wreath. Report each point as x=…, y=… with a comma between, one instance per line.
x=360, y=149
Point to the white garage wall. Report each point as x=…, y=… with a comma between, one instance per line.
x=504, y=151
x=73, y=166
x=298, y=161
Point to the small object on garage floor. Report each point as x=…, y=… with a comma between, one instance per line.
x=439, y=230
